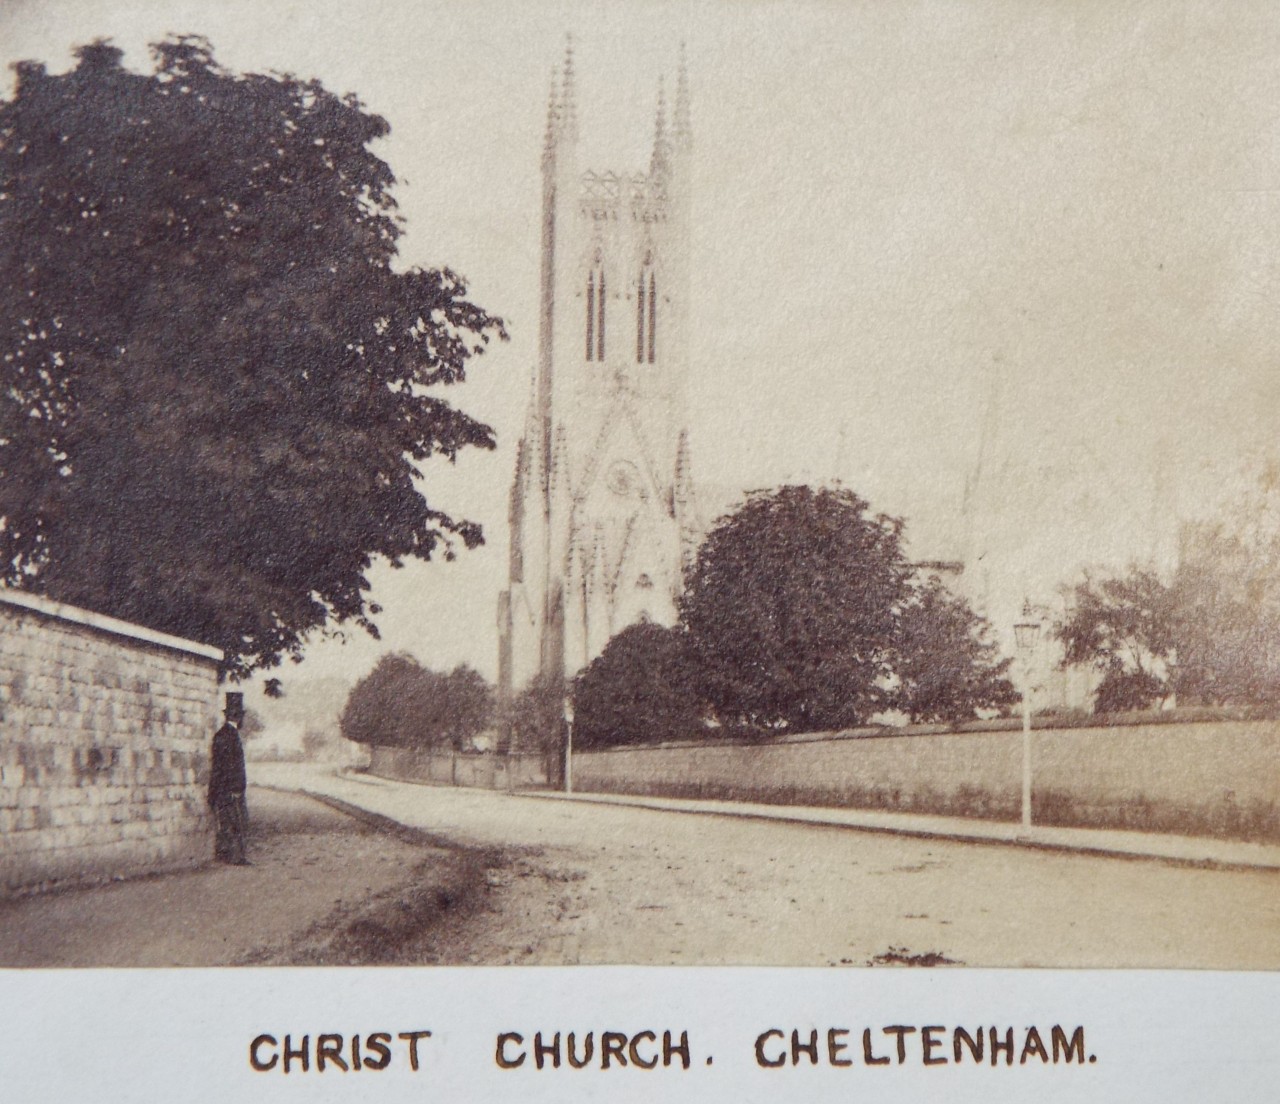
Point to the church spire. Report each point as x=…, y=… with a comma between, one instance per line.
x=569, y=95
x=661, y=146
x=683, y=127
x=553, y=119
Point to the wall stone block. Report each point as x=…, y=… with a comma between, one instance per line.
x=104, y=737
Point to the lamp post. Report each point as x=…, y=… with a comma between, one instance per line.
x=1026, y=633
x=568, y=745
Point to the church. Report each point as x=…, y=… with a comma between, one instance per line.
x=602, y=515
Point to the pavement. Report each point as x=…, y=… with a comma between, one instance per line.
x=1192, y=850
x=321, y=887
x=1204, y=851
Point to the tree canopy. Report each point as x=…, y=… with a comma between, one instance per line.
x=533, y=719
x=945, y=665
x=802, y=612
x=790, y=608
x=1126, y=628
x=640, y=689
x=400, y=703
x=1226, y=592
x=218, y=388
x=1209, y=632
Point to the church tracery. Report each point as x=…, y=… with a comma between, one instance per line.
x=596, y=294
x=646, y=311
x=602, y=510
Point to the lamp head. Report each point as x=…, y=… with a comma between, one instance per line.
x=1027, y=632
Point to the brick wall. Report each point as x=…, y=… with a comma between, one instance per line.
x=104, y=739
x=1217, y=778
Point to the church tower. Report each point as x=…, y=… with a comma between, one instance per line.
x=602, y=513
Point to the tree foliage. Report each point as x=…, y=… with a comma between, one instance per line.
x=533, y=720
x=1227, y=592
x=1123, y=691
x=946, y=666
x=1210, y=633
x=1126, y=627
x=400, y=703
x=252, y=726
x=792, y=609
x=217, y=385
x=640, y=689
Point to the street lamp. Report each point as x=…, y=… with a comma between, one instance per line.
x=568, y=745
x=1026, y=634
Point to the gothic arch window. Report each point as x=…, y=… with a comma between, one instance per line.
x=653, y=313
x=646, y=312
x=595, y=311
x=640, y=290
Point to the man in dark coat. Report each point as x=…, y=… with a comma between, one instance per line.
x=227, y=786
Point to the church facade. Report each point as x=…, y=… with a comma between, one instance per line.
x=602, y=517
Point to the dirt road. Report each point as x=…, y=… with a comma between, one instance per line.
x=605, y=884
x=484, y=878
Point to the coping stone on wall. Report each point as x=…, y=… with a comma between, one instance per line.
x=102, y=623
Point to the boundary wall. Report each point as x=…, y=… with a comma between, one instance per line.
x=482, y=769
x=1219, y=778
x=104, y=740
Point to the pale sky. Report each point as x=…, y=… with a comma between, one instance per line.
x=1028, y=247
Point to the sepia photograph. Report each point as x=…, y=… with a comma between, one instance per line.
x=647, y=484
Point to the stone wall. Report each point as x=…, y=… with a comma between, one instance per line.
x=104, y=738
x=483, y=770
x=1217, y=778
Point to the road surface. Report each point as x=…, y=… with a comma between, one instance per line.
x=587, y=883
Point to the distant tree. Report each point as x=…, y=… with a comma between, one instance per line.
x=251, y=727
x=533, y=720
x=947, y=668
x=1126, y=628
x=314, y=744
x=401, y=703
x=382, y=707
x=462, y=707
x=1227, y=621
x=792, y=609
x=218, y=387
x=1122, y=691
x=640, y=689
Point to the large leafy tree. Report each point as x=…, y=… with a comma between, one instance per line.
x=1125, y=627
x=462, y=707
x=400, y=703
x=1227, y=618
x=641, y=689
x=946, y=666
x=219, y=388
x=382, y=707
x=792, y=609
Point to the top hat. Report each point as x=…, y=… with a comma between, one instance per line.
x=235, y=703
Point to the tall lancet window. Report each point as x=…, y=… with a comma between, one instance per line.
x=595, y=314
x=653, y=314
x=600, y=318
x=640, y=316
x=646, y=313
